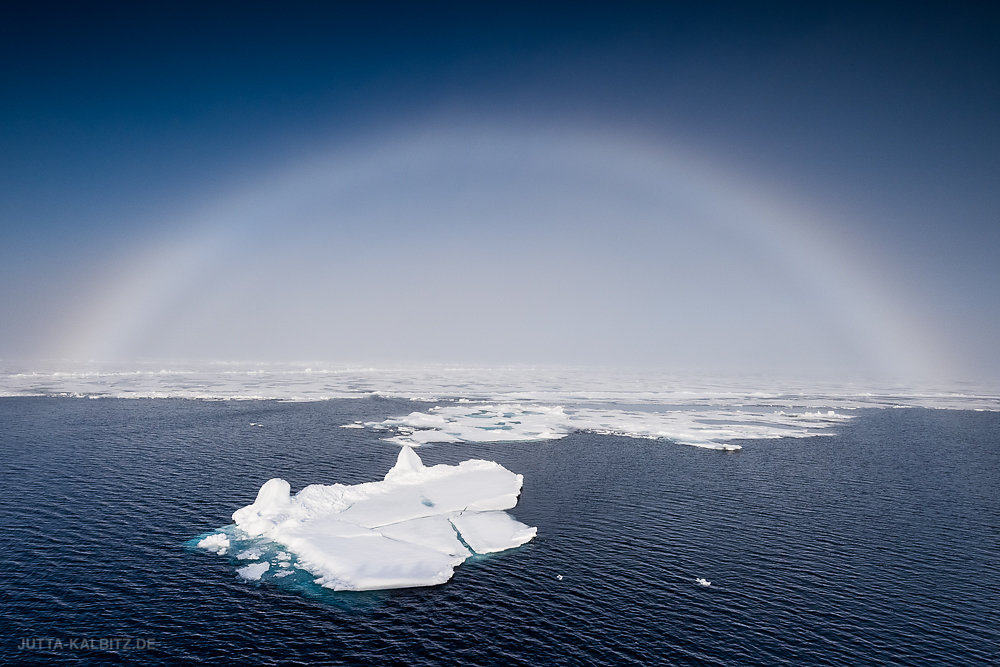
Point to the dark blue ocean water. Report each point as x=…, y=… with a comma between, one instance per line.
x=880, y=545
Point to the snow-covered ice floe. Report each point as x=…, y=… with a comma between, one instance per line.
x=411, y=529
x=253, y=572
x=219, y=543
x=709, y=428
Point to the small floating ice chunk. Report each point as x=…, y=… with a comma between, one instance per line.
x=559, y=577
x=282, y=573
x=249, y=554
x=216, y=543
x=353, y=425
x=703, y=582
x=254, y=571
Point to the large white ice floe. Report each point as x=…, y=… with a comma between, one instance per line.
x=709, y=428
x=411, y=529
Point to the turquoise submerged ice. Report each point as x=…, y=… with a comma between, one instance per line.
x=411, y=529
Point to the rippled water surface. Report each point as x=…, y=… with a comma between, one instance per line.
x=877, y=545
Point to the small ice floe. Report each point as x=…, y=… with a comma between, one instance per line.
x=282, y=573
x=256, y=424
x=559, y=577
x=253, y=572
x=250, y=554
x=353, y=425
x=703, y=582
x=217, y=543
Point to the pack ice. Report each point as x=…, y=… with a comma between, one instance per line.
x=410, y=529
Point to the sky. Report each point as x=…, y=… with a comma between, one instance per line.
x=751, y=187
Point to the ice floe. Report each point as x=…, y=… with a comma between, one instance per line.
x=219, y=543
x=413, y=528
x=253, y=572
x=709, y=428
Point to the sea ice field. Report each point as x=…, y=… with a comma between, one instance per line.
x=485, y=516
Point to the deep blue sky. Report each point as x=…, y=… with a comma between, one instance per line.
x=118, y=122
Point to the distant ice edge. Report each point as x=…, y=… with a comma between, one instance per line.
x=411, y=529
x=545, y=385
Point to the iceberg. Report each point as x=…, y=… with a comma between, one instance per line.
x=413, y=528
